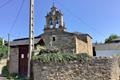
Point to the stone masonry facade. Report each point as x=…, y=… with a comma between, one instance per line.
x=84, y=47
x=95, y=69
x=63, y=41
x=67, y=42
x=55, y=35
x=14, y=60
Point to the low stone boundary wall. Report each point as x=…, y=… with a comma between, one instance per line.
x=95, y=69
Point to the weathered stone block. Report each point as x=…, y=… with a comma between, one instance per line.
x=95, y=69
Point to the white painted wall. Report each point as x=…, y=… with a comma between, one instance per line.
x=107, y=52
x=3, y=63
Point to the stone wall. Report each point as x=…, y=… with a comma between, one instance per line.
x=95, y=69
x=84, y=45
x=89, y=46
x=65, y=42
x=81, y=47
x=68, y=42
x=13, y=63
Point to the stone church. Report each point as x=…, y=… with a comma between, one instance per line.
x=54, y=35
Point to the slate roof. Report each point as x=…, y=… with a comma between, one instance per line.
x=24, y=41
x=110, y=46
x=81, y=34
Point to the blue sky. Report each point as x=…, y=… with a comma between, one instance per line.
x=99, y=18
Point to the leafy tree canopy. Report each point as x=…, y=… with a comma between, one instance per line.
x=111, y=38
x=0, y=41
x=3, y=50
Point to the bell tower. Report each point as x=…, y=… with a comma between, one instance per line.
x=54, y=20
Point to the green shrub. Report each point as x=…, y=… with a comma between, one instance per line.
x=45, y=51
x=84, y=57
x=3, y=51
x=61, y=57
x=5, y=71
x=13, y=76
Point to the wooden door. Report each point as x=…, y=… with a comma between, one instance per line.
x=23, y=60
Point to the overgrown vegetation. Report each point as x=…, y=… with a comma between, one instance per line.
x=3, y=49
x=5, y=71
x=42, y=49
x=0, y=41
x=53, y=55
x=61, y=57
x=13, y=76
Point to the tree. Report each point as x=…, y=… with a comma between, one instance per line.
x=3, y=50
x=0, y=41
x=111, y=38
